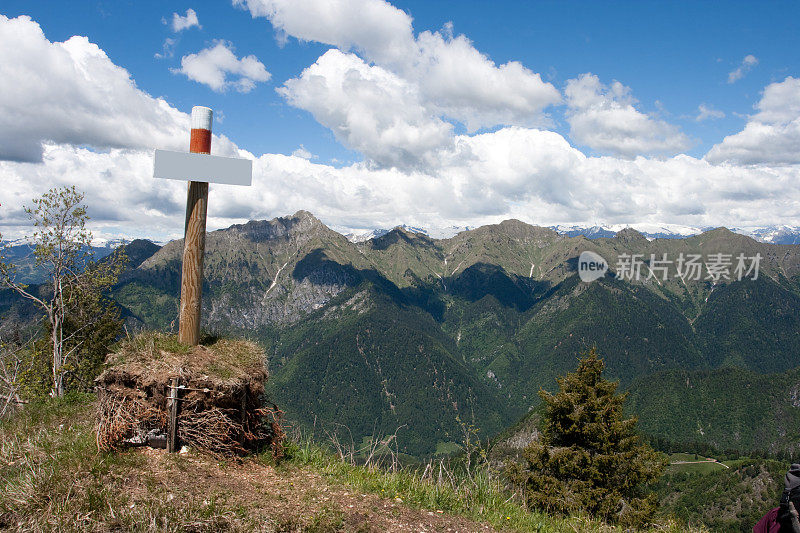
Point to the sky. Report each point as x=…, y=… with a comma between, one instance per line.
x=371, y=114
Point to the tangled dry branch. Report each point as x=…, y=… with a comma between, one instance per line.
x=220, y=432
x=120, y=416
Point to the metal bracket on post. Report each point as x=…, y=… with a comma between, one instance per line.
x=172, y=411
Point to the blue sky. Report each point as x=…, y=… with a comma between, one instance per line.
x=669, y=59
x=675, y=53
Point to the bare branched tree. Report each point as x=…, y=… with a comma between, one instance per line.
x=63, y=249
x=12, y=365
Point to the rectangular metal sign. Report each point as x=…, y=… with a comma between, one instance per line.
x=187, y=166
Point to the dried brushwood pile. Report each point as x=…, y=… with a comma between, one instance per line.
x=220, y=406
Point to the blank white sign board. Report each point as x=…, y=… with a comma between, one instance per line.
x=188, y=166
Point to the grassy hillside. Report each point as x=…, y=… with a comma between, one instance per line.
x=53, y=479
x=409, y=380
x=751, y=325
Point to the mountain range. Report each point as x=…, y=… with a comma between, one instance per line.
x=424, y=337
x=20, y=251
x=405, y=333
x=777, y=234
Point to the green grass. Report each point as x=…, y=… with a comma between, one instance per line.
x=52, y=478
x=232, y=355
x=699, y=468
x=702, y=467
x=42, y=451
x=480, y=497
x=150, y=344
x=685, y=457
x=447, y=448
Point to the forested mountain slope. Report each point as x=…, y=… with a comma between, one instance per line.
x=407, y=330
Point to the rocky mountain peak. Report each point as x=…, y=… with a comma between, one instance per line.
x=302, y=222
x=399, y=235
x=305, y=216
x=520, y=231
x=720, y=232
x=630, y=236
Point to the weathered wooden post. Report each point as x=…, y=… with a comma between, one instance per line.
x=200, y=168
x=194, y=240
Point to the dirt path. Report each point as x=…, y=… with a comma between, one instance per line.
x=285, y=499
x=712, y=461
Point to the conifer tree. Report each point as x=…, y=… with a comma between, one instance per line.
x=589, y=457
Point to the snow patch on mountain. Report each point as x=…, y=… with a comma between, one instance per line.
x=775, y=234
x=363, y=235
x=778, y=234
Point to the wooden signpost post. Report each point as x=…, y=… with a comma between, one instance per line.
x=199, y=168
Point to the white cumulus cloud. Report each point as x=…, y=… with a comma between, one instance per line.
x=772, y=135
x=220, y=69
x=374, y=27
x=465, y=85
x=369, y=109
x=533, y=175
x=453, y=77
x=747, y=64
x=604, y=118
x=70, y=92
x=189, y=20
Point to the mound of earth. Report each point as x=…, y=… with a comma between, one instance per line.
x=219, y=390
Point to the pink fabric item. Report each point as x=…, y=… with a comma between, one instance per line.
x=768, y=523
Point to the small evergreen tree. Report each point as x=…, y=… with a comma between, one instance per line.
x=589, y=457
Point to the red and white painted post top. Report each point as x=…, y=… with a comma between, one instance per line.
x=198, y=164
x=200, y=142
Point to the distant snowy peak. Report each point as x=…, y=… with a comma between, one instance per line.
x=661, y=231
x=100, y=247
x=366, y=235
x=448, y=232
x=113, y=244
x=771, y=235
x=434, y=233
x=651, y=231
x=775, y=234
x=99, y=242
x=24, y=241
x=594, y=232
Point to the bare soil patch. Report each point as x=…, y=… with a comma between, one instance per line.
x=285, y=499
